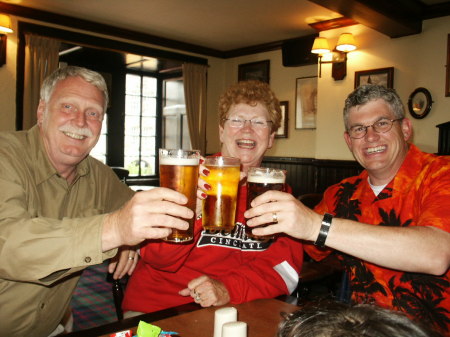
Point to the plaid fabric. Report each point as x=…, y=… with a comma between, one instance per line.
x=93, y=303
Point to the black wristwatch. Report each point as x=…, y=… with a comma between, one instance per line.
x=323, y=233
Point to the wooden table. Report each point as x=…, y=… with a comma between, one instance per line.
x=262, y=317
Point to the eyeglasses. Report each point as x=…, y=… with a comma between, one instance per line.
x=381, y=126
x=256, y=123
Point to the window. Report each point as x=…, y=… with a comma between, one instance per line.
x=140, y=125
x=175, y=126
x=99, y=150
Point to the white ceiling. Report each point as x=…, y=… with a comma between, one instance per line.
x=218, y=24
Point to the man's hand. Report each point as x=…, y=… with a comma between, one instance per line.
x=207, y=291
x=292, y=217
x=148, y=215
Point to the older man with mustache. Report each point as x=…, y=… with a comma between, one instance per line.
x=61, y=210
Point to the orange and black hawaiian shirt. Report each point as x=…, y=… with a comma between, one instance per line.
x=419, y=195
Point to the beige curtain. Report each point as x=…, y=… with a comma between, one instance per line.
x=194, y=78
x=41, y=59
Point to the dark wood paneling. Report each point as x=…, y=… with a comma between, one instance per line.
x=308, y=175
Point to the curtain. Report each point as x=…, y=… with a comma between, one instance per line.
x=194, y=78
x=41, y=59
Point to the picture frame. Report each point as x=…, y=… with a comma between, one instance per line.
x=419, y=103
x=306, y=102
x=254, y=71
x=282, y=131
x=381, y=76
x=447, y=72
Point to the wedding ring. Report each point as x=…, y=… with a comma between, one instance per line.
x=197, y=297
x=130, y=258
x=274, y=217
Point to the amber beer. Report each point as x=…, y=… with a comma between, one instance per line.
x=219, y=207
x=260, y=180
x=179, y=171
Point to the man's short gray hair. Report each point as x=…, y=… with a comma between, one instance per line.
x=370, y=92
x=60, y=74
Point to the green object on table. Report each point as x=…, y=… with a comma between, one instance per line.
x=147, y=330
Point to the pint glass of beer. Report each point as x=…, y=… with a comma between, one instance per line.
x=179, y=171
x=219, y=207
x=260, y=180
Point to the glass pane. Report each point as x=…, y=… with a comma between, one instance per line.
x=148, y=106
x=148, y=146
x=99, y=150
x=132, y=146
x=132, y=105
x=133, y=84
x=132, y=125
x=148, y=126
x=149, y=86
x=132, y=165
x=148, y=166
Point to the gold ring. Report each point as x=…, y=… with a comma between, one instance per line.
x=130, y=258
x=274, y=217
x=197, y=296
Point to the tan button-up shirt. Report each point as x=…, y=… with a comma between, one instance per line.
x=49, y=231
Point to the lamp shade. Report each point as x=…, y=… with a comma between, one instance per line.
x=5, y=24
x=346, y=42
x=320, y=46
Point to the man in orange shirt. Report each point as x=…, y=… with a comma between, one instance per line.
x=390, y=225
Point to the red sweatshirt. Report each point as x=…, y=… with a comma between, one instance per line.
x=249, y=269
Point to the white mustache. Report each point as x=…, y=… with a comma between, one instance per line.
x=78, y=131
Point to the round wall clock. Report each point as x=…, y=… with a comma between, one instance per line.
x=419, y=103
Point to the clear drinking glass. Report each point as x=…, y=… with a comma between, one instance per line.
x=179, y=171
x=219, y=207
x=260, y=180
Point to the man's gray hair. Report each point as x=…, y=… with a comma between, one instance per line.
x=60, y=74
x=370, y=92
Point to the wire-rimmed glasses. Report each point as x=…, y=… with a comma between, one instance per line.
x=256, y=123
x=380, y=126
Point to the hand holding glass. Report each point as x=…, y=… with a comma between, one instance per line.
x=179, y=171
x=260, y=180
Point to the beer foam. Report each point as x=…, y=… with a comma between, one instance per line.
x=179, y=161
x=265, y=179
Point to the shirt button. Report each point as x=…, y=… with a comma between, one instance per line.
x=42, y=305
x=87, y=259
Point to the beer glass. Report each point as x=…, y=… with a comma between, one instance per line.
x=179, y=171
x=219, y=207
x=260, y=180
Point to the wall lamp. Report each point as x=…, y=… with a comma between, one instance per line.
x=5, y=27
x=345, y=44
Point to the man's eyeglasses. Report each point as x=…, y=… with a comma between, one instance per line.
x=256, y=123
x=381, y=126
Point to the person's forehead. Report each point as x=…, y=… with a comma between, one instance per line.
x=76, y=86
x=248, y=109
x=370, y=111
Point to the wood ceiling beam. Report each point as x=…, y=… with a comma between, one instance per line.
x=393, y=18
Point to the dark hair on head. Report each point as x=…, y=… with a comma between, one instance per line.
x=336, y=319
x=250, y=92
x=372, y=92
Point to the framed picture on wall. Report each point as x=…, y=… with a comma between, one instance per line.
x=254, y=71
x=447, y=80
x=381, y=76
x=282, y=131
x=306, y=102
